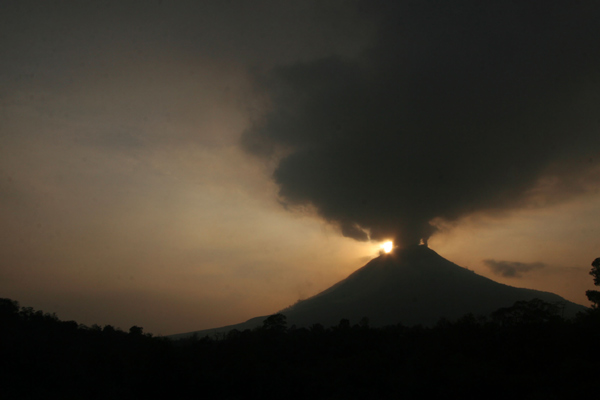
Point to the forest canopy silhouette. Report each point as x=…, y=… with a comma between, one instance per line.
x=522, y=351
x=525, y=350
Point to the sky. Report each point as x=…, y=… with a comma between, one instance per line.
x=182, y=165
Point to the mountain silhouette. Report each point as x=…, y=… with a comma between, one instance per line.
x=413, y=285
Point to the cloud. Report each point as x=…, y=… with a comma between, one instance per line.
x=456, y=107
x=512, y=269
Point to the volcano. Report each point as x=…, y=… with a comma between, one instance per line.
x=413, y=285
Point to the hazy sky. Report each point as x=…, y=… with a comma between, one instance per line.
x=184, y=165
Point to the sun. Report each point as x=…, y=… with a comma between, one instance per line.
x=387, y=246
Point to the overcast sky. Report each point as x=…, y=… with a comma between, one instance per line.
x=187, y=165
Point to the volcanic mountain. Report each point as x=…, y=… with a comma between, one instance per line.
x=413, y=285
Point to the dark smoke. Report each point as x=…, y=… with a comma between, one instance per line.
x=457, y=107
x=512, y=269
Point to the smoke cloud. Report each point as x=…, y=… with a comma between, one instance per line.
x=512, y=269
x=456, y=107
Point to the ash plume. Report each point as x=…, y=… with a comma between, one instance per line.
x=512, y=269
x=456, y=107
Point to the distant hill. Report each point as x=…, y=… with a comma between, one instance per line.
x=413, y=285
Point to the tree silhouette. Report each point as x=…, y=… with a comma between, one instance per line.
x=594, y=295
x=276, y=322
x=136, y=330
x=534, y=311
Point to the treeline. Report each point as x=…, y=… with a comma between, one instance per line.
x=526, y=351
x=41, y=356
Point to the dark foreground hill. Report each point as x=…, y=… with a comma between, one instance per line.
x=526, y=351
x=413, y=285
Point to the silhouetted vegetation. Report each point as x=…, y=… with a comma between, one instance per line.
x=594, y=295
x=526, y=351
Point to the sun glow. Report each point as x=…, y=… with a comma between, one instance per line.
x=387, y=246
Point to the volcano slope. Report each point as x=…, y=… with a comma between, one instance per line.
x=411, y=286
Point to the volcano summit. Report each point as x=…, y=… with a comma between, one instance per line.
x=412, y=285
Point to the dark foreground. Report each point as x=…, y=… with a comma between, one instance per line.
x=526, y=351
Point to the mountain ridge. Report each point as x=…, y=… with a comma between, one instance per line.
x=413, y=285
